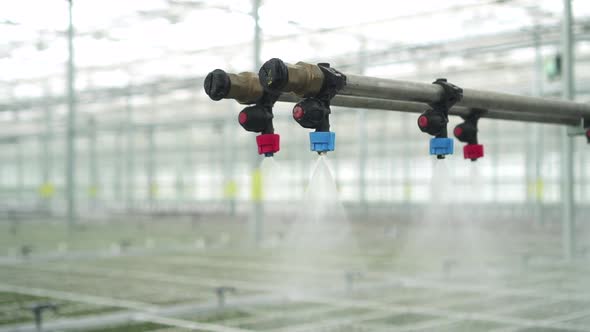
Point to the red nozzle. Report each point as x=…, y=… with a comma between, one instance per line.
x=423, y=121
x=458, y=131
x=268, y=143
x=473, y=151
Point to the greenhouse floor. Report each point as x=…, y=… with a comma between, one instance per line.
x=168, y=276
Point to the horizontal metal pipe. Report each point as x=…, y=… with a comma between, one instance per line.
x=245, y=87
x=372, y=87
x=277, y=76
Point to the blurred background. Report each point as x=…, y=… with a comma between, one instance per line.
x=132, y=202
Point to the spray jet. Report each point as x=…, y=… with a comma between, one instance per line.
x=434, y=120
x=466, y=132
x=245, y=89
x=318, y=84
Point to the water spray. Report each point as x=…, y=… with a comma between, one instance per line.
x=466, y=132
x=245, y=89
x=434, y=120
x=318, y=84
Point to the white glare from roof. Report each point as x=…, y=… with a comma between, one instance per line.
x=161, y=38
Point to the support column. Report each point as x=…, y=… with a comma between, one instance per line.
x=92, y=164
x=71, y=128
x=151, y=167
x=363, y=143
x=567, y=148
x=230, y=185
x=47, y=187
x=129, y=156
x=19, y=161
x=538, y=184
x=257, y=204
x=118, y=165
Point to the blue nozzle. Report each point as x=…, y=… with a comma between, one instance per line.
x=441, y=146
x=322, y=141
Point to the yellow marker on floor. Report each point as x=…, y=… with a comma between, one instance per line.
x=93, y=191
x=407, y=191
x=230, y=190
x=154, y=190
x=46, y=190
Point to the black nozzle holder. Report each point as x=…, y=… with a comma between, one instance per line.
x=434, y=120
x=314, y=112
x=466, y=132
x=258, y=117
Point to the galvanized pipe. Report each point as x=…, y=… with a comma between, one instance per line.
x=567, y=143
x=392, y=95
x=362, y=86
x=277, y=76
x=70, y=168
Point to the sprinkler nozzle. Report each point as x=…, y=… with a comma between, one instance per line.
x=588, y=135
x=314, y=111
x=322, y=141
x=467, y=132
x=441, y=146
x=38, y=309
x=434, y=120
x=268, y=144
x=245, y=88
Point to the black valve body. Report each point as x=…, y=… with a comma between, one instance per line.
x=312, y=113
x=256, y=118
